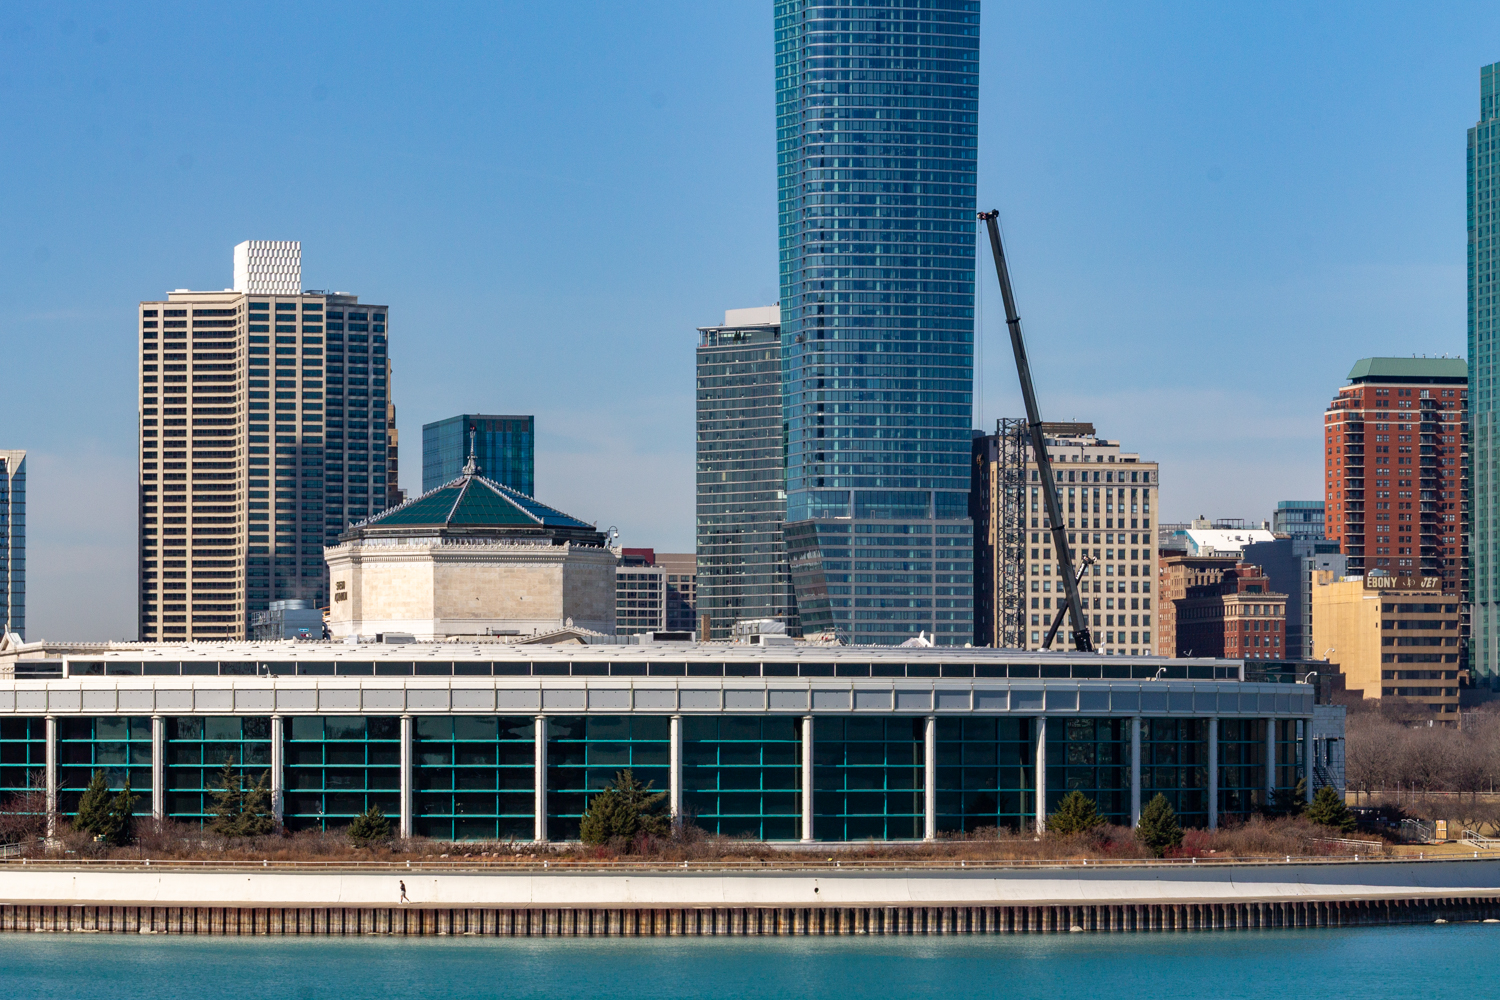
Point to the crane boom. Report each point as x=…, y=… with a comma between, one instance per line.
x=1082, y=637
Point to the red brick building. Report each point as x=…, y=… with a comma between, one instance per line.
x=1397, y=468
x=1229, y=611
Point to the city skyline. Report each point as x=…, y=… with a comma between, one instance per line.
x=1351, y=268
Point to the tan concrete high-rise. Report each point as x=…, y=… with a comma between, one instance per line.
x=1109, y=498
x=263, y=413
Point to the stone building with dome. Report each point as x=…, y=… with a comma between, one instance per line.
x=470, y=558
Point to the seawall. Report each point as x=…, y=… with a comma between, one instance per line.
x=787, y=902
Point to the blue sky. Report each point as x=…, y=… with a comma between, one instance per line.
x=1211, y=212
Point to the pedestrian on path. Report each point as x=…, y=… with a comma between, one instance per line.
x=402, y=883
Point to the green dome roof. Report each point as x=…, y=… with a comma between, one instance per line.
x=473, y=502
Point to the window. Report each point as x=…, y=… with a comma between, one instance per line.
x=868, y=777
x=196, y=748
x=476, y=777
x=339, y=766
x=585, y=753
x=742, y=776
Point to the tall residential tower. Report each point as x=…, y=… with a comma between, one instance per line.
x=742, y=564
x=13, y=543
x=1396, y=469
x=504, y=448
x=1484, y=379
x=263, y=413
x=877, y=140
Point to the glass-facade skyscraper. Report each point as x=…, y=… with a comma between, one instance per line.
x=504, y=447
x=742, y=563
x=1484, y=283
x=13, y=542
x=877, y=144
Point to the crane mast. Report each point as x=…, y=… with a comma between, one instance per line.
x=1082, y=637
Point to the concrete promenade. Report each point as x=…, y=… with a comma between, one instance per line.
x=654, y=888
x=648, y=902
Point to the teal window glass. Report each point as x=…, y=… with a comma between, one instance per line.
x=1174, y=763
x=475, y=777
x=1242, y=767
x=867, y=778
x=196, y=748
x=1288, y=758
x=742, y=775
x=339, y=766
x=118, y=745
x=1091, y=756
x=23, y=755
x=584, y=753
x=986, y=774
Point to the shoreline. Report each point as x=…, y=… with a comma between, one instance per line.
x=1093, y=898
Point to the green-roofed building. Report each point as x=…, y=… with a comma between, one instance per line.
x=471, y=558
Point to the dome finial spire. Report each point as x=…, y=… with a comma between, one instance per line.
x=471, y=467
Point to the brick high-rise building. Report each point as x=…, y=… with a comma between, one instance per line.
x=1396, y=469
x=263, y=434
x=1231, y=612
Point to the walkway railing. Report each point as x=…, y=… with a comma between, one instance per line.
x=487, y=866
x=1476, y=839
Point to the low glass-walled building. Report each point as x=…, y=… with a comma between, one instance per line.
x=488, y=741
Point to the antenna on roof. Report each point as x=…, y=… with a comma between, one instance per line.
x=471, y=467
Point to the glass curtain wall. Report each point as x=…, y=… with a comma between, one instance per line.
x=1288, y=759
x=742, y=776
x=986, y=774
x=1091, y=756
x=868, y=778
x=475, y=777
x=339, y=766
x=118, y=745
x=1242, y=768
x=196, y=748
x=584, y=753
x=1174, y=763
x=23, y=756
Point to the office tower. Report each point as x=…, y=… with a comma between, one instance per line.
x=504, y=446
x=1482, y=506
x=394, y=494
x=682, y=589
x=1298, y=518
x=1109, y=498
x=741, y=472
x=1354, y=621
x=1291, y=563
x=1224, y=607
x=1396, y=469
x=640, y=593
x=876, y=159
x=249, y=467
x=13, y=543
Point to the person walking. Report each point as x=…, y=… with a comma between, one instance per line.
x=402, y=883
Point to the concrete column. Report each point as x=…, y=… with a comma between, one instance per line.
x=1213, y=773
x=1135, y=771
x=1270, y=759
x=278, y=770
x=675, y=778
x=807, y=779
x=407, y=825
x=51, y=776
x=158, y=767
x=1041, y=775
x=929, y=780
x=540, y=830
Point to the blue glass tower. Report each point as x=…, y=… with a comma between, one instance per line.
x=877, y=142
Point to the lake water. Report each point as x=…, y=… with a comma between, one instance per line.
x=1454, y=960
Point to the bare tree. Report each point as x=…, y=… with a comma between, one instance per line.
x=23, y=816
